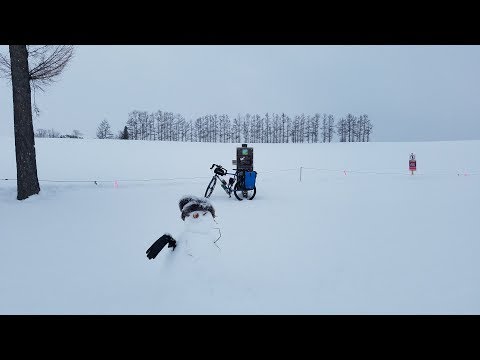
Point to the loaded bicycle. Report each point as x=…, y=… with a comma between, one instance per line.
x=241, y=184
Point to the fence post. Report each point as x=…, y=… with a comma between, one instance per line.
x=300, y=174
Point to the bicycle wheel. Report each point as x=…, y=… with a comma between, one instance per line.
x=244, y=194
x=210, y=187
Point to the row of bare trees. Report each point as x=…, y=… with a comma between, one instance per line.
x=270, y=128
x=354, y=129
x=52, y=133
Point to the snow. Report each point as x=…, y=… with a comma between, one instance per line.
x=357, y=235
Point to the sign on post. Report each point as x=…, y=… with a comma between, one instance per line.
x=244, y=158
x=412, y=164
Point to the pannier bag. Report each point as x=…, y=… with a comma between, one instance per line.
x=250, y=178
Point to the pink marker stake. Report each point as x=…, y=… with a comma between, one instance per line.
x=115, y=184
x=345, y=172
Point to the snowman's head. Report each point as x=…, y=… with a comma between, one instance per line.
x=191, y=206
x=198, y=213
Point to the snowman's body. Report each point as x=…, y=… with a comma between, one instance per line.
x=193, y=276
x=198, y=241
x=193, y=270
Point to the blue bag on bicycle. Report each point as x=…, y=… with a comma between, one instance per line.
x=250, y=178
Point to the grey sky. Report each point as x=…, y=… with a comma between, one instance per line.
x=411, y=93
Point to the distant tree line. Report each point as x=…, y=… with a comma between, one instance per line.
x=52, y=133
x=253, y=128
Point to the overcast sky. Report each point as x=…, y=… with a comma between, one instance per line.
x=411, y=93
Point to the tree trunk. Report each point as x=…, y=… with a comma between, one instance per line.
x=27, y=180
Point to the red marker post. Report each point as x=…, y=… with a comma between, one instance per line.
x=412, y=163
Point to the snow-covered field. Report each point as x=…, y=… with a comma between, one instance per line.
x=357, y=235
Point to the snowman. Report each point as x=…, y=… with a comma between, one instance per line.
x=200, y=235
x=193, y=266
x=194, y=274
x=201, y=232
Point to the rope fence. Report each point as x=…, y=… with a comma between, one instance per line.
x=433, y=172
x=300, y=170
x=112, y=181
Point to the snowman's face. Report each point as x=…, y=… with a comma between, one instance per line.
x=197, y=214
x=199, y=221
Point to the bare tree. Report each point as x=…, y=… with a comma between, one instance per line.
x=132, y=125
x=288, y=129
x=342, y=130
x=27, y=178
x=285, y=129
x=77, y=134
x=330, y=127
x=30, y=67
x=246, y=129
x=295, y=130
x=237, y=129
x=302, y=128
x=104, y=130
x=368, y=127
x=257, y=123
x=315, y=126
x=324, y=128
x=350, y=126
x=268, y=129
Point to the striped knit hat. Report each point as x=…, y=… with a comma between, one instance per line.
x=190, y=203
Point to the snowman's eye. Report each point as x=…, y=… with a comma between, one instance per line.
x=205, y=213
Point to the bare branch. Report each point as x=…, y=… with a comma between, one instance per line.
x=47, y=62
x=5, y=71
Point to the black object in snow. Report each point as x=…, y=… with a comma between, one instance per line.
x=158, y=245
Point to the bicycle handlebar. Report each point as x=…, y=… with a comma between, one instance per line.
x=220, y=166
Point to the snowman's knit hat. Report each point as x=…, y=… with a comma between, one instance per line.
x=189, y=204
x=186, y=199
